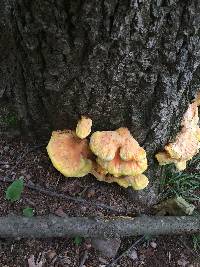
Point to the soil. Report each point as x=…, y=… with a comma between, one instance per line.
x=18, y=158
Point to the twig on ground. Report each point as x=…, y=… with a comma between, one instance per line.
x=4, y=162
x=52, y=193
x=137, y=242
x=84, y=258
x=195, y=254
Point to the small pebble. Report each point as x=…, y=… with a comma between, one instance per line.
x=106, y=247
x=83, y=208
x=91, y=193
x=142, y=257
x=133, y=255
x=51, y=254
x=6, y=166
x=182, y=262
x=28, y=176
x=153, y=244
x=67, y=261
x=102, y=260
x=59, y=212
x=88, y=244
x=6, y=148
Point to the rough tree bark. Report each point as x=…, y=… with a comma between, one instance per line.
x=131, y=63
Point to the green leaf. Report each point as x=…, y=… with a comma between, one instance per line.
x=78, y=240
x=196, y=241
x=14, y=191
x=28, y=212
x=147, y=237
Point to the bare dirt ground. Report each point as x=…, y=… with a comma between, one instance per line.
x=18, y=159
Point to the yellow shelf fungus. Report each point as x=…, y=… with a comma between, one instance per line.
x=137, y=182
x=187, y=141
x=117, y=155
x=69, y=154
x=118, y=152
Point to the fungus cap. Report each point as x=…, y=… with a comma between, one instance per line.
x=105, y=144
x=181, y=165
x=83, y=127
x=69, y=154
x=130, y=149
x=118, y=167
x=138, y=182
x=185, y=146
x=164, y=158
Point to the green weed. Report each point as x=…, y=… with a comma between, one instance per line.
x=78, y=240
x=28, y=212
x=185, y=184
x=10, y=120
x=196, y=241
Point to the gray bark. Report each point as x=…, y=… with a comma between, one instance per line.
x=123, y=63
x=52, y=226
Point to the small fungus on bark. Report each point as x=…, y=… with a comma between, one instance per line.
x=83, y=127
x=187, y=141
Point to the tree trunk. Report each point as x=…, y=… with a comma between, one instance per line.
x=123, y=63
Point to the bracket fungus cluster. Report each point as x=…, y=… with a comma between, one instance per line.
x=111, y=156
x=187, y=141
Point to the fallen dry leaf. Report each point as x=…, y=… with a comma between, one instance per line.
x=39, y=262
x=59, y=212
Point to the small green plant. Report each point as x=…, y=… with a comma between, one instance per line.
x=28, y=212
x=78, y=240
x=10, y=120
x=147, y=237
x=14, y=191
x=196, y=242
x=185, y=184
